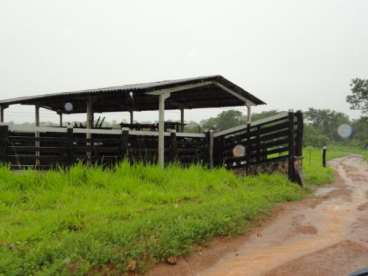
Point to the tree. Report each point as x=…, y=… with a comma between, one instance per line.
x=192, y=127
x=326, y=121
x=224, y=120
x=263, y=115
x=360, y=134
x=314, y=136
x=359, y=98
x=231, y=118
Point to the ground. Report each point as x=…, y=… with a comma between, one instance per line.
x=324, y=234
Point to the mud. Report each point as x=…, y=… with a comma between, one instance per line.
x=322, y=235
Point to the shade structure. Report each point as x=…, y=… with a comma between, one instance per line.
x=200, y=92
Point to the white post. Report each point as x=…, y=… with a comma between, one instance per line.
x=161, y=129
x=61, y=119
x=89, y=116
x=211, y=147
x=131, y=117
x=37, y=134
x=249, y=114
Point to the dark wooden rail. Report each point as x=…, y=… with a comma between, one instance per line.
x=64, y=149
x=272, y=140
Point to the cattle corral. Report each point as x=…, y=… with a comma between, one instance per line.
x=268, y=145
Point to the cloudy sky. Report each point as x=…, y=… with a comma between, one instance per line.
x=291, y=54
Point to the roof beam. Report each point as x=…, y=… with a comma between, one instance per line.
x=246, y=101
x=180, y=88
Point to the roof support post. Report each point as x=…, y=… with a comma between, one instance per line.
x=60, y=119
x=161, y=129
x=182, y=119
x=131, y=117
x=249, y=114
x=89, y=115
x=37, y=116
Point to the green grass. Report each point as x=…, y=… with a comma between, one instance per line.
x=314, y=173
x=336, y=151
x=86, y=219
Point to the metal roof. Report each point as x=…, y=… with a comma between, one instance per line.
x=199, y=92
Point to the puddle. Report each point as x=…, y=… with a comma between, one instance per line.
x=324, y=191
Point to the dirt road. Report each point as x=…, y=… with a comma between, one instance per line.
x=324, y=235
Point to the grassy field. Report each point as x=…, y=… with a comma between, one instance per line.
x=90, y=220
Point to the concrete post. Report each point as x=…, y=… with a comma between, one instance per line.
x=249, y=114
x=61, y=119
x=131, y=117
x=161, y=129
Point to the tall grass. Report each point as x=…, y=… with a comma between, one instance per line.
x=86, y=218
x=314, y=173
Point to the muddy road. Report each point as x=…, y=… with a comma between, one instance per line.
x=323, y=235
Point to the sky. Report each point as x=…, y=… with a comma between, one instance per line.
x=291, y=54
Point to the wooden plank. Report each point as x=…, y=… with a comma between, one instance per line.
x=278, y=117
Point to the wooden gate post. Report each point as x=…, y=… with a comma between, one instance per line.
x=4, y=143
x=299, y=134
x=291, y=159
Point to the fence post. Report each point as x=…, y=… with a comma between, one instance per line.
x=248, y=150
x=70, y=141
x=210, y=139
x=4, y=143
x=124, y=143
x=291, y=159
x=218, y=151
x=173, y=146
x=258, y=143
x=300, y=130
x=324, y=154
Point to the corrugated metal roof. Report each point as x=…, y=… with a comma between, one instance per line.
x=144, y=88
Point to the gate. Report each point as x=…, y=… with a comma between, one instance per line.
x=275, y=143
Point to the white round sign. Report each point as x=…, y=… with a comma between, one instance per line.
x=344, y=131
x=239, y=151
x=68, y=107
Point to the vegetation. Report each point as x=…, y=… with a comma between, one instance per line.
x=314, y=173
x=87, y=219
x=359, y=95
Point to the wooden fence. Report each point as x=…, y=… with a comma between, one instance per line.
x=52, y=147
x=271, y=140
x=276, y=139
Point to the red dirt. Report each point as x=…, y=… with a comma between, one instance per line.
x=322, y=235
